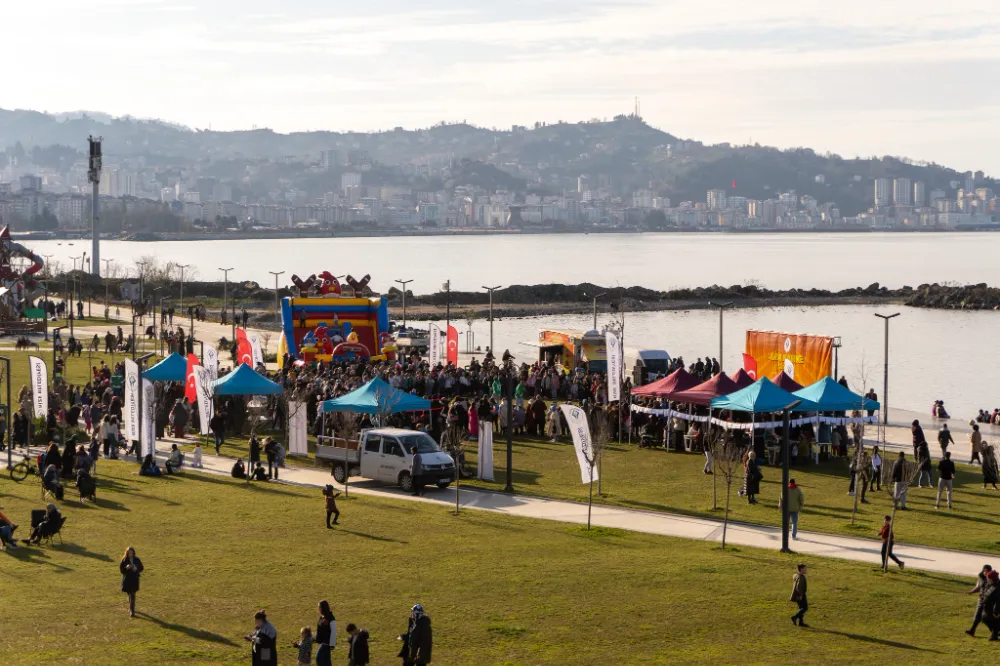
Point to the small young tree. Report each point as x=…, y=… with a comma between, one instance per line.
x=727, y=457
x=347, y=426
x=592, y=453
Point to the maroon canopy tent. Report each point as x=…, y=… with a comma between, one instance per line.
x=786, y=382
x=741, y=378
x=703, y=393
x=678, y=380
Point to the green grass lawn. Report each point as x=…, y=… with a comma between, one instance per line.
x=500, y=590
x=78, y=368
x=660, y=481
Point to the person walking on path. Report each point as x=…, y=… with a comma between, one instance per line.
x=264, y=640
x=982, y=586
x=131, y=568
x=944, y=438
x=357, y=654
x=752, y=478
x=330, y=499
x=799, y=596
x=218, y=426
x=796, y=501
x=899, y=484
x=417, y=472
x=946, y=475
x=876, y=470
x=326, y=634
x=924, y=460
x=976, y=442
x=990, y=472
x=991, y=605
x=917, y=437
x=888, y=538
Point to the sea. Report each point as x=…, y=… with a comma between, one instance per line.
x=933, y=354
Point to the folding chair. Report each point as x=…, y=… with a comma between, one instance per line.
x=57, y=533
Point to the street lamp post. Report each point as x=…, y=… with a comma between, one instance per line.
x=722, y=308
x=225, y=291
x=885, y=380
x=107, y=275
x=277, y=306
x=404, y=283
x=182, y=267
x=837, y=344
x=48, y=264
x=595, y=297
x=491, y=290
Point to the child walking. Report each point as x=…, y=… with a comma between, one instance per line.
x=330, y=496
x=305, y=646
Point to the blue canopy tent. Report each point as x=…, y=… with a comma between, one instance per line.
x=171, y=369
x=763, y=396
x=375, y=397
x=831, y=396
x=245, y=381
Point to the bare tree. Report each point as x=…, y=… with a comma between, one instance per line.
x=592, y=452
x=897, y=489
x=347, y=426
x=727, y=456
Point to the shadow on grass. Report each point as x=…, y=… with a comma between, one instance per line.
x=876, y=641
x=75, y=549
x=34, y=555
x=373, y=537
x=199, y=634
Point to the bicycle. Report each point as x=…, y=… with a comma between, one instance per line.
x=23, y=469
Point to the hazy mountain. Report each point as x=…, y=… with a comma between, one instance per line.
x=624, y=154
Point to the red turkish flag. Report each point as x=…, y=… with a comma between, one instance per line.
x=453, y=345
x=190, y=392
x=750, y=366
x=244, y=350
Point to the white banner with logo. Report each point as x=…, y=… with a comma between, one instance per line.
x=614, y=356
x=298, y=425
x=258, y=354
x=485, y=466
x=211, y=360
x=130, y=412
x=39, y=386
x=148, y=417
x=434, y=355
x=203, y=389
x=576, y=420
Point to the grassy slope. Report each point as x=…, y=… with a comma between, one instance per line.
x=661, y=481
x=500, y=590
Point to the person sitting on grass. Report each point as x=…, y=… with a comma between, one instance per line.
x=259, y=473
x=86, y=485
x=49, y=525
x=175, y=460
x=149, y=466
x=238, y=471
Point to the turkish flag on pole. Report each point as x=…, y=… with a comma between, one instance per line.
x=750, y=366
x=453, y=345
x=244, y=350
x=190, y=389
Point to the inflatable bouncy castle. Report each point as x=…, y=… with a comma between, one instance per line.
x=329, y=321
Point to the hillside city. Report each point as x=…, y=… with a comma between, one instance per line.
x=354, y=190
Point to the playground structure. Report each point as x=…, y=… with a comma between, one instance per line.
x=330, y=321
x=18, y=288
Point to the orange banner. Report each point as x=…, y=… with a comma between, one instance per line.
x=804, y=358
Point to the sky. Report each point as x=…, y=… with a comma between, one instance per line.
x=855, y=77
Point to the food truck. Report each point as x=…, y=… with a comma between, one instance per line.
x=573, y=349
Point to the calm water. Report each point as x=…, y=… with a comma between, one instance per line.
x=933, y=354
x=658, y=261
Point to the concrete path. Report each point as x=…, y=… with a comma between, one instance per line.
x=738, y=534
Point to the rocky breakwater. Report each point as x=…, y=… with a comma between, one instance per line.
x=952, y=297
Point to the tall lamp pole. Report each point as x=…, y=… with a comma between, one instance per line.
x=491, y=290
x=595, y=297
x=277, y=307
x=182, y=267
x=722, y=308
x=404, y=283
x=225, y=288
x=885, y=380
x=107, y=274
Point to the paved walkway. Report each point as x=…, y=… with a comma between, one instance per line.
x=666, y=524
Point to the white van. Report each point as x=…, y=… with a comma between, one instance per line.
x=384, y=455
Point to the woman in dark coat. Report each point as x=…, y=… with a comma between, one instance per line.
x=131, y=568
x=753, y=477
x=418, y=641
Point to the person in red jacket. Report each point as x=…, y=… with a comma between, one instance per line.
x=887, y=541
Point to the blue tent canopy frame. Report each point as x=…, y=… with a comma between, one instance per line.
x=171, y=369
x=245, y=381
x=833, y=397
x=763, y=396
x=370, y=399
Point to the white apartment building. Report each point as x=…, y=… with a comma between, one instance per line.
x=882, y=193
x=716, y=199
x=902, y=192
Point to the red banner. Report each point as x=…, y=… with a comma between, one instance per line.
x=453, y=345
x=244, y=350
x=750, y=366
x=190, y=391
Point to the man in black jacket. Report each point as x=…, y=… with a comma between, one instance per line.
x=420, y=639
x=899, y=484
x=357, y=654
x=982, y=588
x=946, y=474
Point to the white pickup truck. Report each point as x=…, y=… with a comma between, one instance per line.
x=384, y=454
